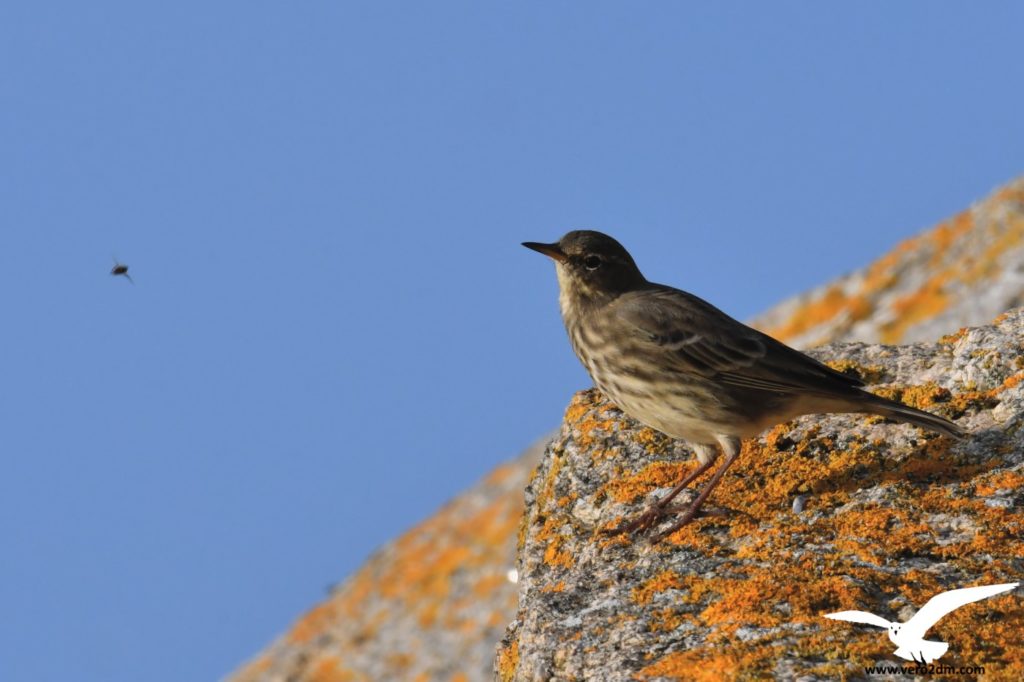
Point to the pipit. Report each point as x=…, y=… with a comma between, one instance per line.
x=678, y=364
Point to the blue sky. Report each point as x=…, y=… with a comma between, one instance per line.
x=333, y=328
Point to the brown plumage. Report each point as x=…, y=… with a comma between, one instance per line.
x=680, y=365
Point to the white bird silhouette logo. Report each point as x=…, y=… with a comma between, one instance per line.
x=909, y=636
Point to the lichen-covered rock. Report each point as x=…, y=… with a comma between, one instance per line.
x=891, y=517
x=961, y=272
x=429, y=605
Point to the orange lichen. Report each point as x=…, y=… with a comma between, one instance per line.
x=920, y=396
x=628, y=489
x=828, y=305
x=665, y=580
x=501, y=473
x=548, y=490
x=945, y=234
x=499, y=617
x=700, y=666
x=508, y=661
x=488, y=585
x=768, y=581
x=1013, y=381
x=550, y=535
x=398, y=660
x=1004, y=480
x=952, y=339
x=427, y=615
x=926, y=302
x=869, y=374
x=555, y=555
x=588, y=424
x=254, y=669
x=833, y=311
x=329, y=669
x=929, y=395
x=997, y=320
x=464, y=546
x=316, y=620
x=849, y=307
x=991, y=262
x=667, y=619
x=780, y=585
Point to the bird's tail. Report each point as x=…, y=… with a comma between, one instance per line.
x=905, y=413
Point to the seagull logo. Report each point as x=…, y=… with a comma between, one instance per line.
x=909, y=636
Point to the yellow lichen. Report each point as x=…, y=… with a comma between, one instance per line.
x=699, y=666
x=313, y=623
x=821, y=309
x=329, y=669
x=925, y=303
x=1004, y=480
x=777, y=583
x=629, y=488
x=665, y=580
x=869, y=374
x=508, y=661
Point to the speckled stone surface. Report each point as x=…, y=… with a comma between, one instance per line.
x=962, y=272
x=428, y=606
x=892, y=516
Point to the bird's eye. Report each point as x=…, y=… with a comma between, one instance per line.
x=592, y=262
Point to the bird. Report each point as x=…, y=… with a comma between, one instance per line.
x=909, y=636
x=121, y=269
x=679, y=365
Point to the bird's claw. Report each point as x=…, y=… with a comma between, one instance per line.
x=688, y=516
x=656, y=513
x=640, y=524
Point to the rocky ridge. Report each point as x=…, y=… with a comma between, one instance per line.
x=427, y=606
x=891, y=516
x=963, y=271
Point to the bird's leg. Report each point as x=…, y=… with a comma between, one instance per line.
x=731, y=448
x=658, y=509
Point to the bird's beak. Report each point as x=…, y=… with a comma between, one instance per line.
x=550, y=250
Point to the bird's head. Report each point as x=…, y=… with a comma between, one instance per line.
x=592, y=267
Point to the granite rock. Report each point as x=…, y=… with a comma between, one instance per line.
x=429, y=605
x=964, y=271
x=892, y=515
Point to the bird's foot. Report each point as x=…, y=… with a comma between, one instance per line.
x=689, y=514
x=642, y=523
x=657, y=512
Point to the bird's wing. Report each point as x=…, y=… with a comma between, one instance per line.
x=941, y=604
x=860, y=617
x=700, y=339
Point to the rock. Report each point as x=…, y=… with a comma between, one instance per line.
x=429, y=605
x=961, y=272
x=894, y=516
